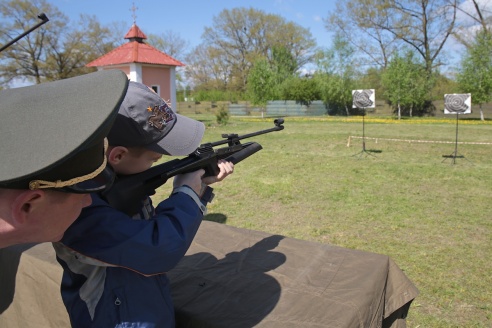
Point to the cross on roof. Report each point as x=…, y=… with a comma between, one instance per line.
x=134, y=10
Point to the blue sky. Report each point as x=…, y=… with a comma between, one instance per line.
x=187, y=18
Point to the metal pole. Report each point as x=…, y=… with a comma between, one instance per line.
x=456, y=143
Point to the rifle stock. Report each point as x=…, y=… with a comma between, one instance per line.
x=128, y=191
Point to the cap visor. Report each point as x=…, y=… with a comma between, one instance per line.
x=183, y=139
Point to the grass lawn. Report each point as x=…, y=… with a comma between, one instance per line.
x=404, y=199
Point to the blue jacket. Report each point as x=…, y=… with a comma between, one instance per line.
x=115, y=266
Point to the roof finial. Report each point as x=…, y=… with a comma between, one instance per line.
x=134, y=10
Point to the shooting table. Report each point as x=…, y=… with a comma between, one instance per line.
x=234, y=277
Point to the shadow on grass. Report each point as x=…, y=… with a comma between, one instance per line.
x=216, y=217
x=367, y=152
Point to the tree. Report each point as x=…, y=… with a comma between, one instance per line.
x=475, y=75
x=423, y=25
x=283, y=64
x=474, y=13
x=206, y=69
x=405, y=82
x=27, y=57
x=170, y=43
x=303, y=90
x=67, y=56
x=371, y=79
x=336, y=75
x=239, y=37
x=56, y=50
x=261, y=83
x=276, y=79
x=443, y=85
x=358, y=22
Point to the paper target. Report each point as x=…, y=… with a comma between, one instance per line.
x=457, y=103
x=363, y=98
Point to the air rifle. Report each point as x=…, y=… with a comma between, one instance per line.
x=128, y=191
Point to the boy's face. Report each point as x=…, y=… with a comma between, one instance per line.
x=135, y=161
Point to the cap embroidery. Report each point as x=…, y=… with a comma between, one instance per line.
x=161, y=116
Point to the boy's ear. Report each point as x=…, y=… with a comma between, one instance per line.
x=116, y=154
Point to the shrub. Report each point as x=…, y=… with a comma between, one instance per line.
x=222, y=115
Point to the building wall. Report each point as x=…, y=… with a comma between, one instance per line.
x=161, y=76
x=164, y=77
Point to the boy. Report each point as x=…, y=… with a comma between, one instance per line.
x=114, y=265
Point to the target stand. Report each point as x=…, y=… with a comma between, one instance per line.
x=456, y=104
x=454, y=155
x=364, y=150
x=363, y=99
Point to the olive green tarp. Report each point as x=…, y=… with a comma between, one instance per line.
x=234, y=277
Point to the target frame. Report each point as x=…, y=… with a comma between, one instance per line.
x=457, y=103
x=364, y=98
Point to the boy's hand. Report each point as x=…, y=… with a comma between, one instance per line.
x=226, y=168
x=192, y=180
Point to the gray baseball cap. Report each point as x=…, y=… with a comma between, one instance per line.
x=52, y=134
x=146, y=120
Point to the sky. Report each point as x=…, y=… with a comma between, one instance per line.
x=188, y=18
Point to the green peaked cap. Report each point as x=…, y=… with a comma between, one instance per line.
x=55, y=130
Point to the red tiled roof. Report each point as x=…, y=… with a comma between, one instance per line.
x=135, y=51
x=135, y=32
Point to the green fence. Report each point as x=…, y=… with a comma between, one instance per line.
x=316, y=108
x=280, y=108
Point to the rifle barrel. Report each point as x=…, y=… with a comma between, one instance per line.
x=41, y=16
x=234, y=137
